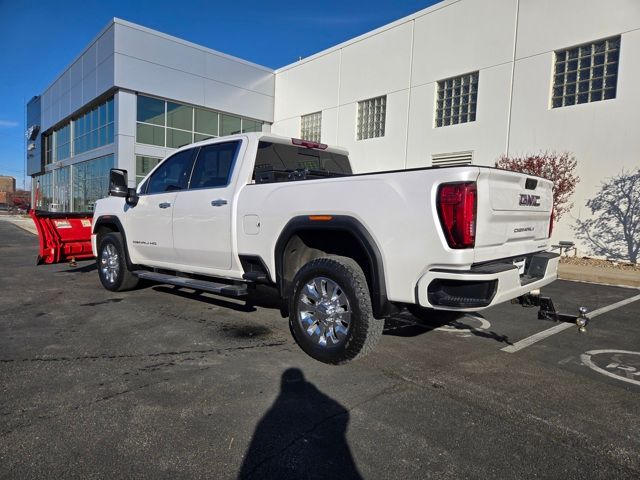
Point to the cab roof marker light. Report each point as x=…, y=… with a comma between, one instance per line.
x=308, y=144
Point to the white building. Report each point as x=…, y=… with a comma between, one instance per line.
x=461, y=81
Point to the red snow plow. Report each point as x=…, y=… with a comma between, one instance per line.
x=64, y=236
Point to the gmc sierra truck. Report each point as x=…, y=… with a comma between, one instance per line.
x=344, y=250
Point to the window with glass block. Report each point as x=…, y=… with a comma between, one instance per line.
x=457, y=100
x=586, y=73
x=311, y=126
x=371, y=117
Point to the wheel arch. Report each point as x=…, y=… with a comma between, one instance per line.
x=304, y=239
x=111, y=224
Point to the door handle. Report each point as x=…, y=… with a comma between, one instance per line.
x=218, y=203
x=164, y=205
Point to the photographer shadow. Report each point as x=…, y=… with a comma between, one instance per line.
x=302, y=436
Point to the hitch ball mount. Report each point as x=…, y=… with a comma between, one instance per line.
x=548, y=311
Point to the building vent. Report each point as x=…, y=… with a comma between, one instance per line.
x=453, y=159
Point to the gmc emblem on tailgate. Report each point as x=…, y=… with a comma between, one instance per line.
x=527, y=200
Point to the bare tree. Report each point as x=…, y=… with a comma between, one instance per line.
x=614, y=229
x=558, y=167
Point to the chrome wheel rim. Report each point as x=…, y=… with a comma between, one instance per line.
x=324, y=312
x=109, y=263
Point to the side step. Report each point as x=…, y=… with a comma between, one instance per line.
x=237, y=290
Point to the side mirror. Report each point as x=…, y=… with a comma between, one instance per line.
x=118, y=186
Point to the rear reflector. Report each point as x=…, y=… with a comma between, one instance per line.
x=457, y=204
x=320, y=218
x=308, y=144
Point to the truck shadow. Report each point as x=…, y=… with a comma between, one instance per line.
x=406, y=325
x=400, y=325
x=261, y=296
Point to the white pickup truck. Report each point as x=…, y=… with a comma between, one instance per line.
x=344, y=250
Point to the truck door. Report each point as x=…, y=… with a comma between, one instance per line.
x=148, y=224
x=202, y=214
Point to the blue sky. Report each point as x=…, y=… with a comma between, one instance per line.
x=40, y=39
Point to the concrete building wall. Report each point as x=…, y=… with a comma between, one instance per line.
x=602, y=134
x=511, y=44
x=148, y=61
x=90, y=75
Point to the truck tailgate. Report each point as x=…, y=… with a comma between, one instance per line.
x=514, y=211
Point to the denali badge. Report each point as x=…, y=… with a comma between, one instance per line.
x=529, y=200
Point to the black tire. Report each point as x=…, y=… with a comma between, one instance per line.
x=115, y=275
x=363, y=331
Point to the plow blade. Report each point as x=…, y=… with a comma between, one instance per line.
x=64, y=236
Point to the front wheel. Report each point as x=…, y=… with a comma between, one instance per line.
x=112, y=264
x=331, y=317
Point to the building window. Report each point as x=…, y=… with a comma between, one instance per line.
x=90, y=182
x=311, y=126
x=144, y=165
x=206, y=124
x=371, y=117
x=230, y=125
x=62, y=139
x=44, y=191
x=151, y=121
x=179, y=125
x=586, y=73
x=93, y=129
x=251, y=125
x=171, y=124
x=457, y=100
x=48, y=149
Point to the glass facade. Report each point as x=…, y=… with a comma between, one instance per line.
x=93, y=129
x=90, y=181
x=74, y=188
x=174, y=125
x=44, y=191
x=48, y=148
x=62, y=141
x=144, y=165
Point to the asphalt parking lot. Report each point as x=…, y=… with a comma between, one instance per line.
x=164, y=383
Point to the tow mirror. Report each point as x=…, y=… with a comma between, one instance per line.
x=118, y=183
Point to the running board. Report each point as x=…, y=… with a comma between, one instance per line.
x=237, y=290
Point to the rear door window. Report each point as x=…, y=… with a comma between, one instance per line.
x=214, y=165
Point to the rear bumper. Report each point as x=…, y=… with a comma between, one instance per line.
x=485, y=285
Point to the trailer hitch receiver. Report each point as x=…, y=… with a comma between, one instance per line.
x=547, y=310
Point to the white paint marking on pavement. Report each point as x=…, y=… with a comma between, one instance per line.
x=586, y=359
x=563, y=326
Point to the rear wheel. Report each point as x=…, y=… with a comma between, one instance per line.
x=330, y=314
x=112, y=264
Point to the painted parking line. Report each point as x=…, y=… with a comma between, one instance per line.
x=524, y=343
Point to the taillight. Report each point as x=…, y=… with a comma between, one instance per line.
x=457, y=205
x=551, y=224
